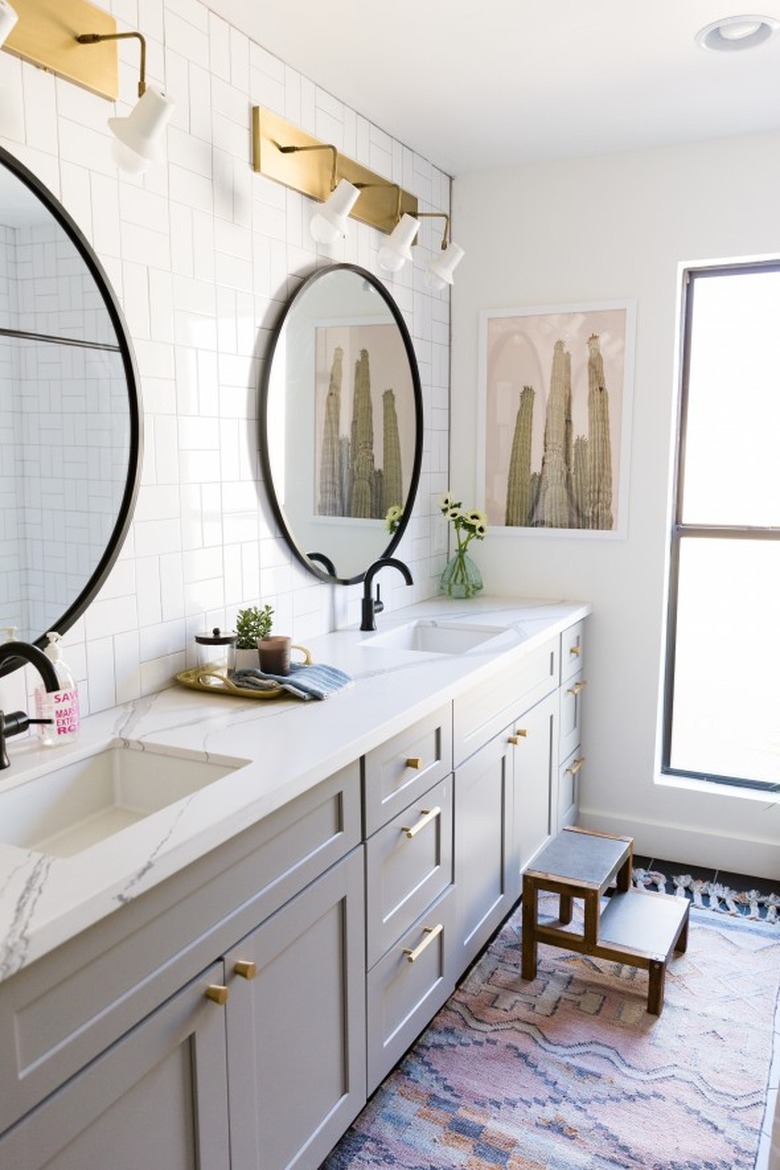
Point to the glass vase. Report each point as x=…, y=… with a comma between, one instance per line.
x=461, y=577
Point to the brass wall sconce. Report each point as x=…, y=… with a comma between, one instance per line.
x=48, y=34
x=440, y=270
x=138, y=137
x=282, y=152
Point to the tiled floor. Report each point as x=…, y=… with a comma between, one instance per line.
x=769, y=1152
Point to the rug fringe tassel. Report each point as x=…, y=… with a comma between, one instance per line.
x=720, y=898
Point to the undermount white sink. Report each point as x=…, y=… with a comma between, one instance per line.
x=431, y=636
x=66, y=809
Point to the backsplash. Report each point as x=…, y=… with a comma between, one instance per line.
x=202, y=254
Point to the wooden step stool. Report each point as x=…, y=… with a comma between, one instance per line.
x=636, y=927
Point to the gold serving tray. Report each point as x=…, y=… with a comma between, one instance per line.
x=224, y=685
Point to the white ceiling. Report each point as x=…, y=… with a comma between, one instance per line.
x=473, y=86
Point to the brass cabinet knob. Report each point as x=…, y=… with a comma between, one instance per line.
x=521, y=733
x=575, y=651
x=414, y=762
x=217, y=993
x=575, y=766
x=245, y=968
x=578, y=686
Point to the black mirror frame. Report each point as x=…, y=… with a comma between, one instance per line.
x=124, y=348
x=393, y=539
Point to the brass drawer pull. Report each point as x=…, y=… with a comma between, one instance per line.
x=245, y=969
x=575, y=766
x=431, y=932
x=521, y=733
x=217, y=993
x=575, y=651
x=414, y=762
x=578, y=686
x=428, y=814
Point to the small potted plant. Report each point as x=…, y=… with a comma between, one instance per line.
x=252, y=623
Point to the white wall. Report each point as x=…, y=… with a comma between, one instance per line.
x=602, y=229
x=202, y=254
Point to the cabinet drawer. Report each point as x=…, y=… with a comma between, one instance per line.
x=572, y=650
x=570, y=727
x=406, y=766
x=482, y=712
x=409, y=985
x=408, y=864
x=58, y=1014
x=568, y=795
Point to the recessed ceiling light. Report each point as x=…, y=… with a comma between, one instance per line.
x=733, y=33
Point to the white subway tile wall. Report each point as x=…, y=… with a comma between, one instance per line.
x=202, y=254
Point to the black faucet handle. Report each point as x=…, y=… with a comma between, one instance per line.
x=13, y=724
x=379, y=605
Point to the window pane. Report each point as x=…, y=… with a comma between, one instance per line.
x=726, y=696
x=732, y=471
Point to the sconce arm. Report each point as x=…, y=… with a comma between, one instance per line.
x=438, y=215
x=319, y=146
x=96, y=38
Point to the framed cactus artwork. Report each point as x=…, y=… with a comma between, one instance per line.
x=556, y=387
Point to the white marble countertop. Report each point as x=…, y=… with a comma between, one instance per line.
x=282, y=748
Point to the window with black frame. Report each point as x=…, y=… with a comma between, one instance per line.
x=722, y=700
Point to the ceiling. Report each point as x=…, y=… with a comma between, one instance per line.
x=473, y=86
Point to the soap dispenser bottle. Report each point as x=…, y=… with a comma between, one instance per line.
x=61, y=706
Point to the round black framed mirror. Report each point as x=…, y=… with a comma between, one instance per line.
x=71, y=415
x=341, y=422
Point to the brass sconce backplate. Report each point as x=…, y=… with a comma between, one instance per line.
x=311, y=171
x=46, y=32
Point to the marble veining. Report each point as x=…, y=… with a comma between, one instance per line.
x=278, y=748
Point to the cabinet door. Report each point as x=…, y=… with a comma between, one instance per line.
x=296, y=1027
x=535, y=761
x=483, y=816
x=156, y=1098
x=570, y=734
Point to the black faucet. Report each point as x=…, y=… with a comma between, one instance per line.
x=374, y=605
x=18, y=721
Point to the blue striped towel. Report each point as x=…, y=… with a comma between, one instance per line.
x=314, y=681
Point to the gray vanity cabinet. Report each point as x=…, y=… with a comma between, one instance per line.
x=408, y=810
x=115, y=1048
x=506, y=754
x=296, y=1026
x=156, y=1098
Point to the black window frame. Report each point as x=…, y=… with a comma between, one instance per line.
x=680, y=531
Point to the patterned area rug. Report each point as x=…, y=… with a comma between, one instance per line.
x=569, y=1072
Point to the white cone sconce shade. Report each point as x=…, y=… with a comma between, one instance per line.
x=8, y=19
x=138, y=137
x=441, y=269
x=329, y=223
x=398, y=249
